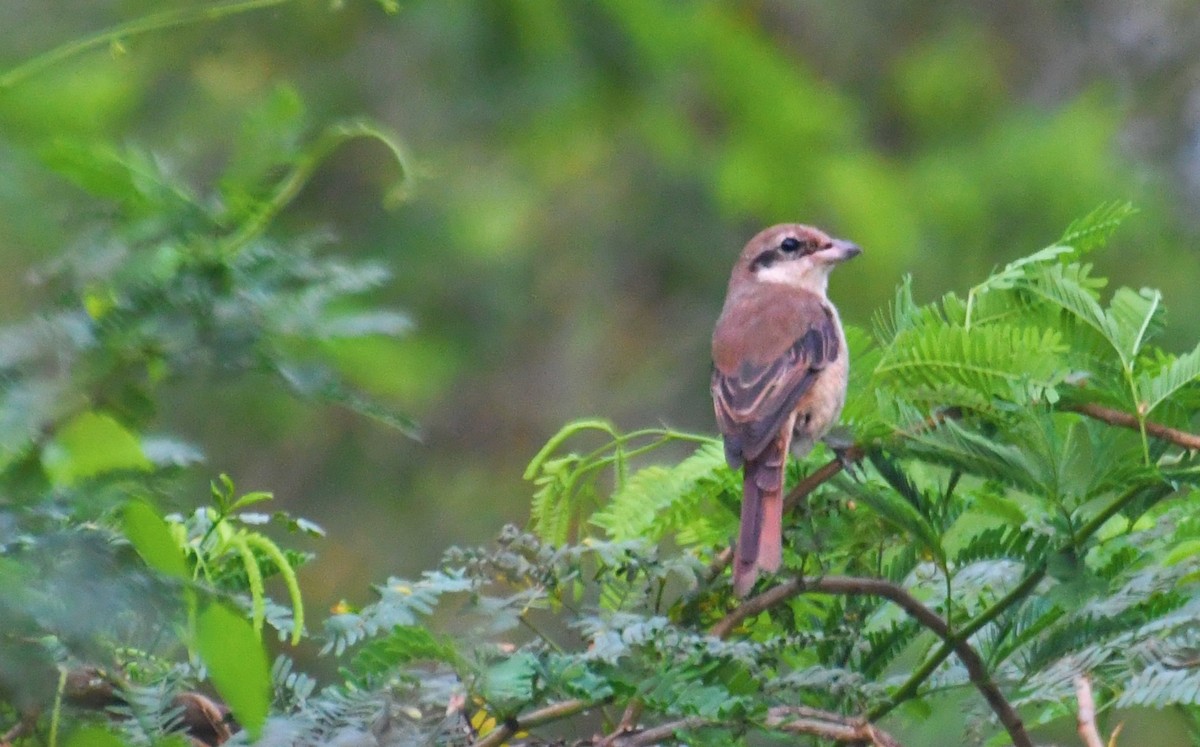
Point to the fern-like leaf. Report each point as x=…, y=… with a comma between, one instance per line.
x=1094, y=229
x=896, y=511
x=1179, y=373
x=553, y=506
x=1067, y=288
x=1159, y=687
x=404, y=644
x=1134, y=317
x=953, y=445
x=651, y=497
x=1008, y=363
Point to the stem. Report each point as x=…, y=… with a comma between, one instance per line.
x=57, y=712
x=154, y=22
x=305, y=165
x=1137, y=409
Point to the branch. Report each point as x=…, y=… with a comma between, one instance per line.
x=1126, y=420
x=821, y=475
x=656, y=734
x=1087, y=713
x=628, y=724
x=803, y=720
x=555, y=712
x=155, y=21
x=788, y=719
x=851, y=586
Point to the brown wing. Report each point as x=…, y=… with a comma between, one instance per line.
x=753, y=398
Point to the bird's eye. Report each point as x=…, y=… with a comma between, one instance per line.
x=790, y=244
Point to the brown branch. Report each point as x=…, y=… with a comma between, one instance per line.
x=788, y=719
x=804, y=720
x=1087, y=713
x=1127, y=420
x=656, y=734
x=821, y=475
x=628, y=724
x=851, y=586
x=554, y=712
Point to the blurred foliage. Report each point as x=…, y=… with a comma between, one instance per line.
x=583, y=174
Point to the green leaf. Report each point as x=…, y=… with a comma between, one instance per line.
x=652, y=496
x=1172, y=377
x=1065, y=287
x=271, y=135
x=249, y=499
x=508, y=685
x=554, y=500
x=1134, y=318
x=92, y=444
x=896, y=511
x=1018, y=269
x=1015, y=364
x=132, y=177
x=954, y=445
x=151, y=537
x=236, y=663
x=1095, y=228
x=321, y=384
x=404, y=644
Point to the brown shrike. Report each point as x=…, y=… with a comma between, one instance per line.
x=779, y=376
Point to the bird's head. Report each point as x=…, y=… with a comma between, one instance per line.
x=792, y=254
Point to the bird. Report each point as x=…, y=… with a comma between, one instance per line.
x=779, y=375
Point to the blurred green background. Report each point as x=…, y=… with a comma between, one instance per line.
x=585, y=174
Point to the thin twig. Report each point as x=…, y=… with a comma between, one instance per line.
x=171, y=18
x=628, y=724
x=853, y=586
x=1127, y=420
x=1087, y=713
x=822, y=475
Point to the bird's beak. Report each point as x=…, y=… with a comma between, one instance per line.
x=840, y=251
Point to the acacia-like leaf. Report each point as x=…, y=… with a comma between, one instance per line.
x=1179, y=373
x=1014, y=364
x=1094, y=229
x=652, y=494
x=1134, y=317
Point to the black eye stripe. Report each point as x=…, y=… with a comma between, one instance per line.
x=765, y=259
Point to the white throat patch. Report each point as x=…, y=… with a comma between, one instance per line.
x=800, y=274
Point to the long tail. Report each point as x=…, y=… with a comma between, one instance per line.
x=760, y=538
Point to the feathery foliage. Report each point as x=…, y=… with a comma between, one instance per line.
x=1023, y=514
